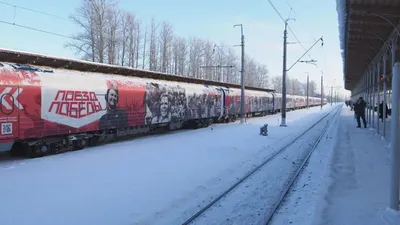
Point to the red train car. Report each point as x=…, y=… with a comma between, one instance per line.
x=40, y=103
x=48, y=109
x=44, y=110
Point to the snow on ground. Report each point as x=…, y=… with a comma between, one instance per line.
x=253, y=200
x=300, y=206
x=355, y=184
x=152, y=180
x=358, y=191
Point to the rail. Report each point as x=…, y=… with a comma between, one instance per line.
x=274, y=155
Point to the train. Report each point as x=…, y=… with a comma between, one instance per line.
x=47, y=110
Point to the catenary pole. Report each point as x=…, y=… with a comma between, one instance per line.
x=395, y=145
x=241, y=76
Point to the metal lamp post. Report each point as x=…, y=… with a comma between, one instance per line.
x=241, y=76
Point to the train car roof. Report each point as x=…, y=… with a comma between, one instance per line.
x=22, y=57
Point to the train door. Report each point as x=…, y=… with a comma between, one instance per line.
x=9, y=113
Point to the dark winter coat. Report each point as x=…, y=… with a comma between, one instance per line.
x=359, y=107
x=381, y=110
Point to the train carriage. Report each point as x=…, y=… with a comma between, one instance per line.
x=258, y=102
x=44, y=109
x=277, y=102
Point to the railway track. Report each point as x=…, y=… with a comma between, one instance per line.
x=292, y=179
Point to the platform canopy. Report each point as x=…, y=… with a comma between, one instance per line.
x=364, y=26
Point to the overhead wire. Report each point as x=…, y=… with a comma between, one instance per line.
x=291, y=31
x=32, y=28
x=297, y=15
x=322, y=47
x=38, y=30
x=33, y=10
x=294, y=35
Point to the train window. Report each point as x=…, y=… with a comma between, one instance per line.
x=30, y=68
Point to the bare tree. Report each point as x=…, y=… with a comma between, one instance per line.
x=295, y=87
x=196, y=52
x=277, y=83
x=208, y=60
x=153, y=46
x=130, y=42
x=250, y=72
x=312, y=87
x=112, y=34
x=262, y=76
x=138, y=40
x=124, y=21
x=232, y=74
x=166, y=35
x=180, y=55
x=91, y=16
x=118, y=37
x=144, y=47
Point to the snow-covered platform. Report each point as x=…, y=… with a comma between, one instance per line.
x=158, y=179
x=357, y=184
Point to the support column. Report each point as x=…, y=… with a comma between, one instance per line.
x=365, y=87
x=394, y=49
x=373, y=95
x=366, y=98
x=395, y=146
x=384, y=61
x=378, y=75
x=369, y=95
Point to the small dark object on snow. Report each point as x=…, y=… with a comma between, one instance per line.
x=264, y=130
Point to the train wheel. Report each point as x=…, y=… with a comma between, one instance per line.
x=175, y=125
x=44, y=149
x=81, y=144
x=92, y=141
x=37, y=151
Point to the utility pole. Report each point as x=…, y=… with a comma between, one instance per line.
x=307, y=89
x=322, y=89
x=335, y=96
x=284, y=70
x=283, y=121
x=331, y=95
x=242, y=77
x=312, y=61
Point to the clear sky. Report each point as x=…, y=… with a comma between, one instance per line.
x=210, y=19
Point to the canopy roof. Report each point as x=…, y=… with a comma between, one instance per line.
x=363, y=32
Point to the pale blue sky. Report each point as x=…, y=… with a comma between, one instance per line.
x=213, y=20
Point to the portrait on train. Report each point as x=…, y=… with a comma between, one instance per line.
x=114, y=117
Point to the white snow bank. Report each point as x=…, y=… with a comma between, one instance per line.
x=152, y=180
x=359, y=175
x=391, y=217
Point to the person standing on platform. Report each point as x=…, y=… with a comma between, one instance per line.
x=381, y=111
x=359, y=109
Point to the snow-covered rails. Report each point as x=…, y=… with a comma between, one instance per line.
x=46, y=110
